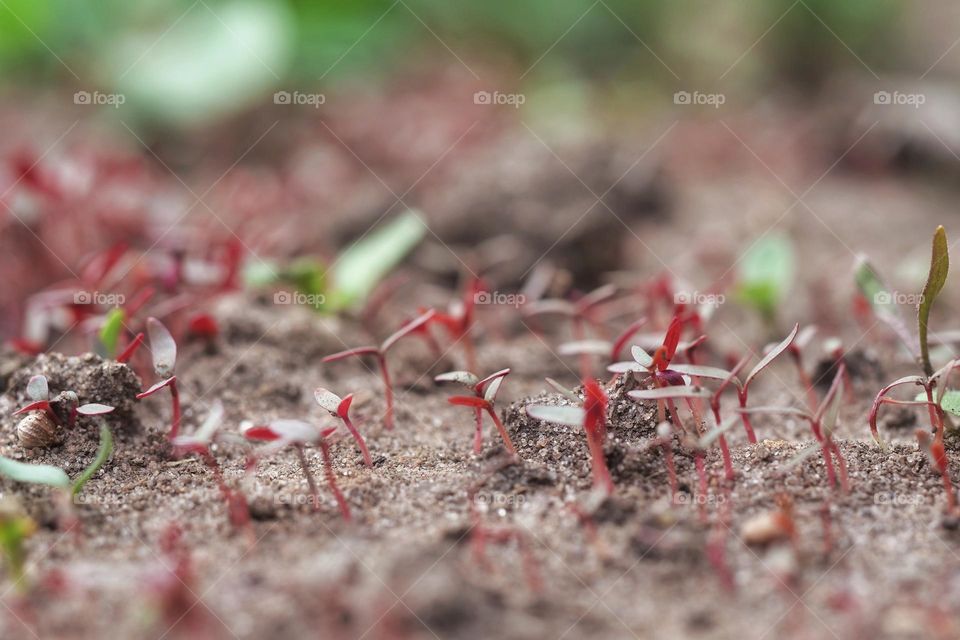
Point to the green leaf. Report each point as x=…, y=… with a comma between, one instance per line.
x=308, y=275
x=110, y=331
x=207, y=64
x=34, y=473
x=949, y=403
x=363, y=265
x=939, y=267
x=766, y=274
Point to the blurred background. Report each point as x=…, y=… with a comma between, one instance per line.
x=603, y=136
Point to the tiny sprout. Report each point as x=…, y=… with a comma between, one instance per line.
x=15, y=527
x=765, y=275
x=163, y=348
x=380, y=353
x=459, y=318
x=296, y=433
x=593, y=418
x=41, y=427
x=485, y=395
x=199, y=444
x=822, y=423
x=340, y=407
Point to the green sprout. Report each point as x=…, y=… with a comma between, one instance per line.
x=765, y=275
x=15, y=527
x=110, y=331
x=354, y=274
x=56, y=477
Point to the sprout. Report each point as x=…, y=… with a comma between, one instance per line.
x=297, y=434
x=592, y=416
x=163, y=348
x=340, y=407
x=485, y=395
x=380, y=353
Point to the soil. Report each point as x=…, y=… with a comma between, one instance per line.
x=878, y=561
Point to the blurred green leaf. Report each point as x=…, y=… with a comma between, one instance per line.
x=111, y=330
x=214, y=61
x=103, y=453
x=364, y=264
x=34, y=473
x=766, y=274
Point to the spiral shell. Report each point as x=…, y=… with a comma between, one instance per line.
x=37, y=429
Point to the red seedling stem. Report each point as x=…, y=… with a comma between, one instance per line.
x=171, y=384
x=131, y=348
x=380, y=353
x=595, y=424
x=331, y=479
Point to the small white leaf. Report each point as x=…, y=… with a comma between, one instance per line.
x=37, y=388
x=94, y=409
x=162, y=347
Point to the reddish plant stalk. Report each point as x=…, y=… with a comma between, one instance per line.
x=367, y=460
x=332, y=480
x=385, y=374
x=175, y=400
x=314, y=492
x=724, y=448
x=747, y=425
x=131, y=348
x=503, y=430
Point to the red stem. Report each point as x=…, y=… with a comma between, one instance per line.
x=747, y=426
x=131, y=348
x=724, y=449
x=367, y=460
x=702, y=474
x=601, y=473
x=478, y=436
x=314, y=493
x=175, y=399
x=503, y=431
x=385, y=373
x=332, y=480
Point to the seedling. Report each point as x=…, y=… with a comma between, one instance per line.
x=593, y=418
x=601, y=348
x=380, y=353
x=822, y=423
x=340, y=408
x=481, y=535
x=581, y=312
x=38, y=391
x=355, y=272
x=765, y=274
x=459, y=318
x=938, y=456
x=485, y=395
x=931, y=381
x=163, y=348
x=298, y=434
x=199, y=445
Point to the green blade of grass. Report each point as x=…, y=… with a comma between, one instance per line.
x=103, y=453
x=939, y=266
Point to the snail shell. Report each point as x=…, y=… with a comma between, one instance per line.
x=37, y=429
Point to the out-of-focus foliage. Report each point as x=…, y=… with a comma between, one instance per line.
x=184, y=62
